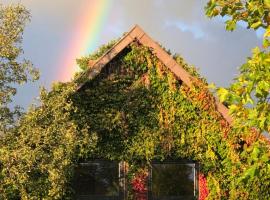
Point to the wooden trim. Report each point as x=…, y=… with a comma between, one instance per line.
x=166, y=59
x=137, y=33
x=224, y=111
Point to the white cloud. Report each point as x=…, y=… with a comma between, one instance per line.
x=194, y=29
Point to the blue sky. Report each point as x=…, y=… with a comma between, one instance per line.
x=179, y=25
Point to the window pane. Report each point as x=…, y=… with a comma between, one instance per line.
x=173, y=181
x=97, y=181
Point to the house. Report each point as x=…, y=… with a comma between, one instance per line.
x=155, y=119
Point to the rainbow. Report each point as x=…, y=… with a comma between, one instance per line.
x=87, y=32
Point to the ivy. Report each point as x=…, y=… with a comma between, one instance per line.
x=136, y=111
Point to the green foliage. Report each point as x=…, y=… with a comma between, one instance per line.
x=38, y=158
x=248, y=96
x=248, y=99
x=84, y=61
x=254, y=12
x=13, y=69
x=135, y=110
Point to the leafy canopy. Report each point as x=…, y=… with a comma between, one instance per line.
x=249, y=95
x=14, y=69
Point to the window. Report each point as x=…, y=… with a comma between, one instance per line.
x=104, y=180
x=172, y=181
x=97, y=180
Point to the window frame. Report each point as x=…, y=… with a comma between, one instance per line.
x=177, y=162
x=123, y=170
x=121, y=174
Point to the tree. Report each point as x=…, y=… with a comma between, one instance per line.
x=37, y=160
x=14, y=69
x=248, y=97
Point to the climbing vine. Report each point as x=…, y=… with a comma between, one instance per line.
x=134, y=110
x=203, y=190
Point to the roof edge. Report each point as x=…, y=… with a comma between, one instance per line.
x=137, y=33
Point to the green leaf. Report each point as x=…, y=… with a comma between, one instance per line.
x=253, y=114
x=262, y=122
x=223, y=94
x=233, y=108
x=251, y=172
x=256, y=25
x=255, y=153
x=212, y=86
x=265, y=157
x=230, y=25
x=267, y=32
x=247, y=99
x=266, y=43
x=267, y=3
x=210, y=8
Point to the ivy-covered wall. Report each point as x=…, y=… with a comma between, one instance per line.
x=135, y=110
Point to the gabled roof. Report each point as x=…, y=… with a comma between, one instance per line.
x=136, y=33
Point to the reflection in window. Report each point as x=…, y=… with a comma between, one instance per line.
x=96, y=181
x=173, y=181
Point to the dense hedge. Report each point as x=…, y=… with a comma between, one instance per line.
x=134, y=110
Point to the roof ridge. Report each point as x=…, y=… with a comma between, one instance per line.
x=137, y=33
